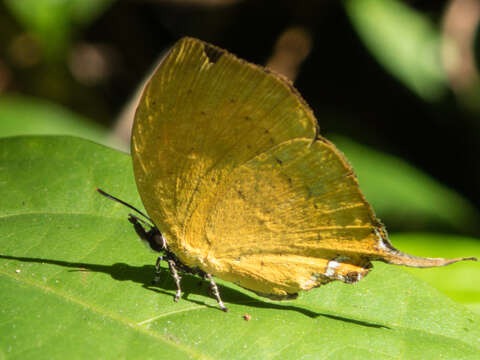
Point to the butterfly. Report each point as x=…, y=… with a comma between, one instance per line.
x=238, y=183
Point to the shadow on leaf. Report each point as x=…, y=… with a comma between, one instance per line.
x=190, y=284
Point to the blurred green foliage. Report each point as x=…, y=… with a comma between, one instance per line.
x=405, y=196
x=41, y=117
x=54, y=22
x=404, y=41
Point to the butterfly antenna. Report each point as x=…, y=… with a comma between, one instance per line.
x=111, y=197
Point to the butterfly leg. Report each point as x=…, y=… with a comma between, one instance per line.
x=176, y=277
x=216, y=293
x=158, y=269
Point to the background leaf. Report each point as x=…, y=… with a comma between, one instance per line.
x=404, y=41
x=21, y=115
x=405, y=197
x=72, y=267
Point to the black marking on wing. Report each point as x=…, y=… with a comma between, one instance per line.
x=213, y=53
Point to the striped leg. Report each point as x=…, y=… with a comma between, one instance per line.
x=158, y=269
x=176, y=277
x=215, y=291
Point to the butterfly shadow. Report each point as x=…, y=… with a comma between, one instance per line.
x=190, y=285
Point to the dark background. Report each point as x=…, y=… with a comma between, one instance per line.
x=348, y=89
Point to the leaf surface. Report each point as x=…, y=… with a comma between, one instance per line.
x=72, y=268
x=458, y=282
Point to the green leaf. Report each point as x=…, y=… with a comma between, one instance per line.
x=403, y=41
x=459, y=282
x=21, y=115
x=405, y=196
x=76, y=282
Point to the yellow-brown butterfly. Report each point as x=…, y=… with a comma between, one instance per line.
x=239, y=184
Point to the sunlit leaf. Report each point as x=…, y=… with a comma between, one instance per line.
x=459, y=282
x=76, y=282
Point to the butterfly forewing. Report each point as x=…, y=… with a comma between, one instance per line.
x=192, y=128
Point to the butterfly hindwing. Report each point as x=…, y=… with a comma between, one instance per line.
x=282, y=217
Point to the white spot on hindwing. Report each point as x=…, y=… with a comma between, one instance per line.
x=332, y=265
x=381, y=243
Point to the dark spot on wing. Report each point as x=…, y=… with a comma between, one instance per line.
x=309, y=192
x=280, y=162
x=351, y=277
x=213, y=53
x=241, y=194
